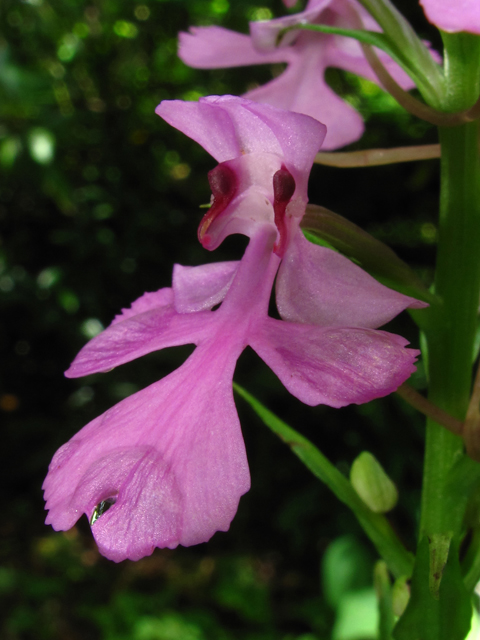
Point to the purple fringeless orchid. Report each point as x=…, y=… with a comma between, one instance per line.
x=302, y=86
x=167, y=465
x=462, y=15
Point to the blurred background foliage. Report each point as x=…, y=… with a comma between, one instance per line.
x=98, y=198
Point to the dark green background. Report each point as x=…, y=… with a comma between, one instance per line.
x=87, y=232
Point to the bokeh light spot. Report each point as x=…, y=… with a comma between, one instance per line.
x=125, y=29
x=91, y=327
x=41, y=144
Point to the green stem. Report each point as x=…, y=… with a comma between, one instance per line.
x=452, y=325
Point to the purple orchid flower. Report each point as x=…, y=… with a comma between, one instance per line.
x=167, y=465
x=301, y=87
x=453, y=16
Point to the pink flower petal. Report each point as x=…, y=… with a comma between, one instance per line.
x=228, y=127
x=171, y=456
x=302, y=88
x=202, y=287
x=335, y=366
x=150, y=300
x=205, y=123
x=298, y=136
x=316, y=285
x=138, y=335
x=219, y=48
x=453, y=16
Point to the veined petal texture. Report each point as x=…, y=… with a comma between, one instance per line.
x=138, y=334
x=335, y=366
x=170, y=459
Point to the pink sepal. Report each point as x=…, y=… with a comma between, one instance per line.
x=319, y=286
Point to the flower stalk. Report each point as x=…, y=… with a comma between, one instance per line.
x=452, y=327
x=377, y=157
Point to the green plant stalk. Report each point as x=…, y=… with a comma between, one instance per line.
x=376, y=526
x=452, y=325
x=399, y=30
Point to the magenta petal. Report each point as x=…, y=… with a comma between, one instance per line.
x=453, y=16
x=149, y=300
x=202, y=287
x=218, y=48
x=205, y=123
x=335, y=366
x=299, y=136
x=228, y=127
x=349, y=59
x=171, y=457
x=302, y=88
x=138, y=335
x=319, y=286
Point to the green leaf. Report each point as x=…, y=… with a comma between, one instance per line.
x=346, y=567
x=376, y=526
x=327, y=228
x=426, y=617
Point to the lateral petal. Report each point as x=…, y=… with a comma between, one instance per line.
x=137, y=335
x=335, y=366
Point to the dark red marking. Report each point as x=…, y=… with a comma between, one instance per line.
x=223, y=183
x=283, y=190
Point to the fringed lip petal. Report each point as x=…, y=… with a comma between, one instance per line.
x=319, y=286
x=163, y=298
x=138, y=335
x=171, y=457
x=335, y=366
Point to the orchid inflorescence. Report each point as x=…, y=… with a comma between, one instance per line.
x=167, y=465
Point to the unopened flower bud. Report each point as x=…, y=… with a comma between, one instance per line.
x=372, y=484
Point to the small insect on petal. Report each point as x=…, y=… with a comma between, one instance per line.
x=101, y=508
